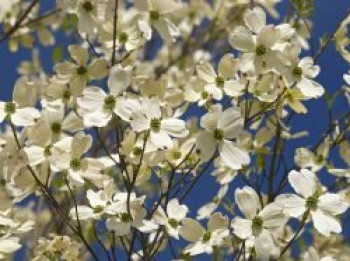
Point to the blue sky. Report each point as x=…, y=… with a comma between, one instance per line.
x=326, y=17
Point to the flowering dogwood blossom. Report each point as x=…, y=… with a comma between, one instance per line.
x=220, y=127
x=204, y=240
x=321, y=205
x=260, y=222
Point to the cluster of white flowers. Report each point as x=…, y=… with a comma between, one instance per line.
x=108, y=147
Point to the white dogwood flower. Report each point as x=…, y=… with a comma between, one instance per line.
x=322, y=206
x=203, y=240
x=221, y=128
x=172, y=218
x=148, y=116
x=258, y=42
x=157, y=13
x=259, y=223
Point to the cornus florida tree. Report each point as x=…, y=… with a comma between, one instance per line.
x=173, y=130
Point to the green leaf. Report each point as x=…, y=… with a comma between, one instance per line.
x=57, y=54
x=70, y=22
x=305, y=8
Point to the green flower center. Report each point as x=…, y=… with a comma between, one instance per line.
x=109, y=102
x=125, y=217
x=56, y=127
x=192, y=15
x=219, y=134
x=137, y=151
x=123, y=38
x=176, y=155
x=206, y=237
x=155, y=125
x=66, y=95
x=260, y=50
x=81, y=70
x=173, y=223
x=10, y=108
x=88, y=7
x=204, y=95
x=47, y=150
x=312, y=202
x=154, y=15
x=257, y=222
x=297, y=72
x=220, y=81
x=75, y=164
x=98, y=209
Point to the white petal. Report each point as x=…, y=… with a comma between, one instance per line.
x=206, y=145
x=234, y=88
x=35, y=155
x=119, y=228
x=242, y=227
x=81, y=144
x=255, y=19
x=231, y=122
x=217, y=221
x=161, y=139
x=175, y=210
x=84, y=213
x=191, y=230
x=206, y=72
x=233, y=156
x=209, y=121
x=2, y=111
x=273, y=216
x=268, y=36
x=174, y=127
x=308, y=67
x=303, y=182
x=166, y=29
x=310, y=88
x=119, y=79
x=9, y=245
x=166, y=7
x=93, y=97
x=98, y=69
x=325, y=223
x=332, y=203
x=79, y=54
x=294, y=205
x=264, y=246
x=247, y=201
x=97, y=118
x=25, y=116
x=242, y=39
